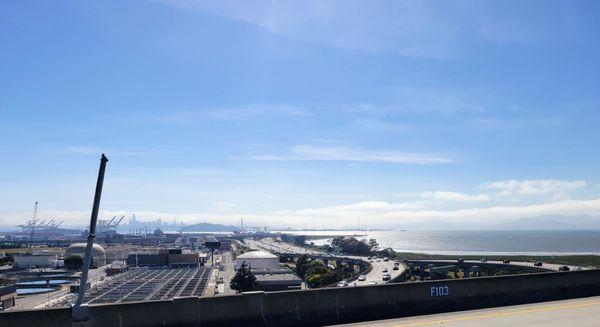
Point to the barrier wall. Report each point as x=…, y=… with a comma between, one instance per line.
x=332, y=305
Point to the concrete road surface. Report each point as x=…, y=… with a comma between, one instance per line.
x=576, y=312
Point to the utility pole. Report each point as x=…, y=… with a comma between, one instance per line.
x=79, y=311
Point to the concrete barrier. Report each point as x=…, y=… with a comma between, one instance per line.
x=330, y=305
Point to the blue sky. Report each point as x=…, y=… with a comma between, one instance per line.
x=282, y=112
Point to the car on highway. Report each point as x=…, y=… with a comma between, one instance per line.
x=386, y=277
x=506, y=262
x=384, y=270
x=342, y=284
x=483, y=260
x=564, y=268
x=362, y=278
x=460, y=260
x=538, y=264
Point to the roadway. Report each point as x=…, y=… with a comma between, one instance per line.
x=377, y=270
x=375, y=276
x=545, y=265
x=575, y=312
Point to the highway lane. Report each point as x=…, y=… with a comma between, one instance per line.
x=575, y=312
x=545, y=265
x=375, y=276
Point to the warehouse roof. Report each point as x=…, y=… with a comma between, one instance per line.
x=257, y=255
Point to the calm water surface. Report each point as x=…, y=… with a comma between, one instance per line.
x=482, y=242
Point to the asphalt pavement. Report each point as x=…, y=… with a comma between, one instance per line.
x=375, y=276
x=575, y=312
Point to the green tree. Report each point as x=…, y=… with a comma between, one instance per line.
x=301, y=266
x=244, y=280
x=73, y=262
x=300, y=240
x=351, y=245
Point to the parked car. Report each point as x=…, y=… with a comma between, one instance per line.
x=538, y=264
x=384, y=270
x=386, y=277
x=342, y=284
x=396, y=268
x=362, y=278
x=564, y=268
x=386, y=259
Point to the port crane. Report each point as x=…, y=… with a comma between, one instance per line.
x=34, y=226
x=109, y=225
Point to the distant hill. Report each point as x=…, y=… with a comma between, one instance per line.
x=208, y=227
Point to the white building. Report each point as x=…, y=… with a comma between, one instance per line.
x=98, y=253
x=34, y=260
x=258, y=260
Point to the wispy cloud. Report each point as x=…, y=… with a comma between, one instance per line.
x=422, y=29
x=407, y=28
x=231, y=113
x=533, y=187
x=323, y=153
x=447, y=196
x=253, y=110
x=415, y=100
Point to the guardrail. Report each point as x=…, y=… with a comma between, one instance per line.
x=530, y=268
x=329, y=305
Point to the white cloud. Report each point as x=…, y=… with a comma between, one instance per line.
x=320, y=153
x=533, y=187
x=455, y=196
x=395, y=214
x=377, y=213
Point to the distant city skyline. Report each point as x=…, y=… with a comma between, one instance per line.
x=405, y=113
